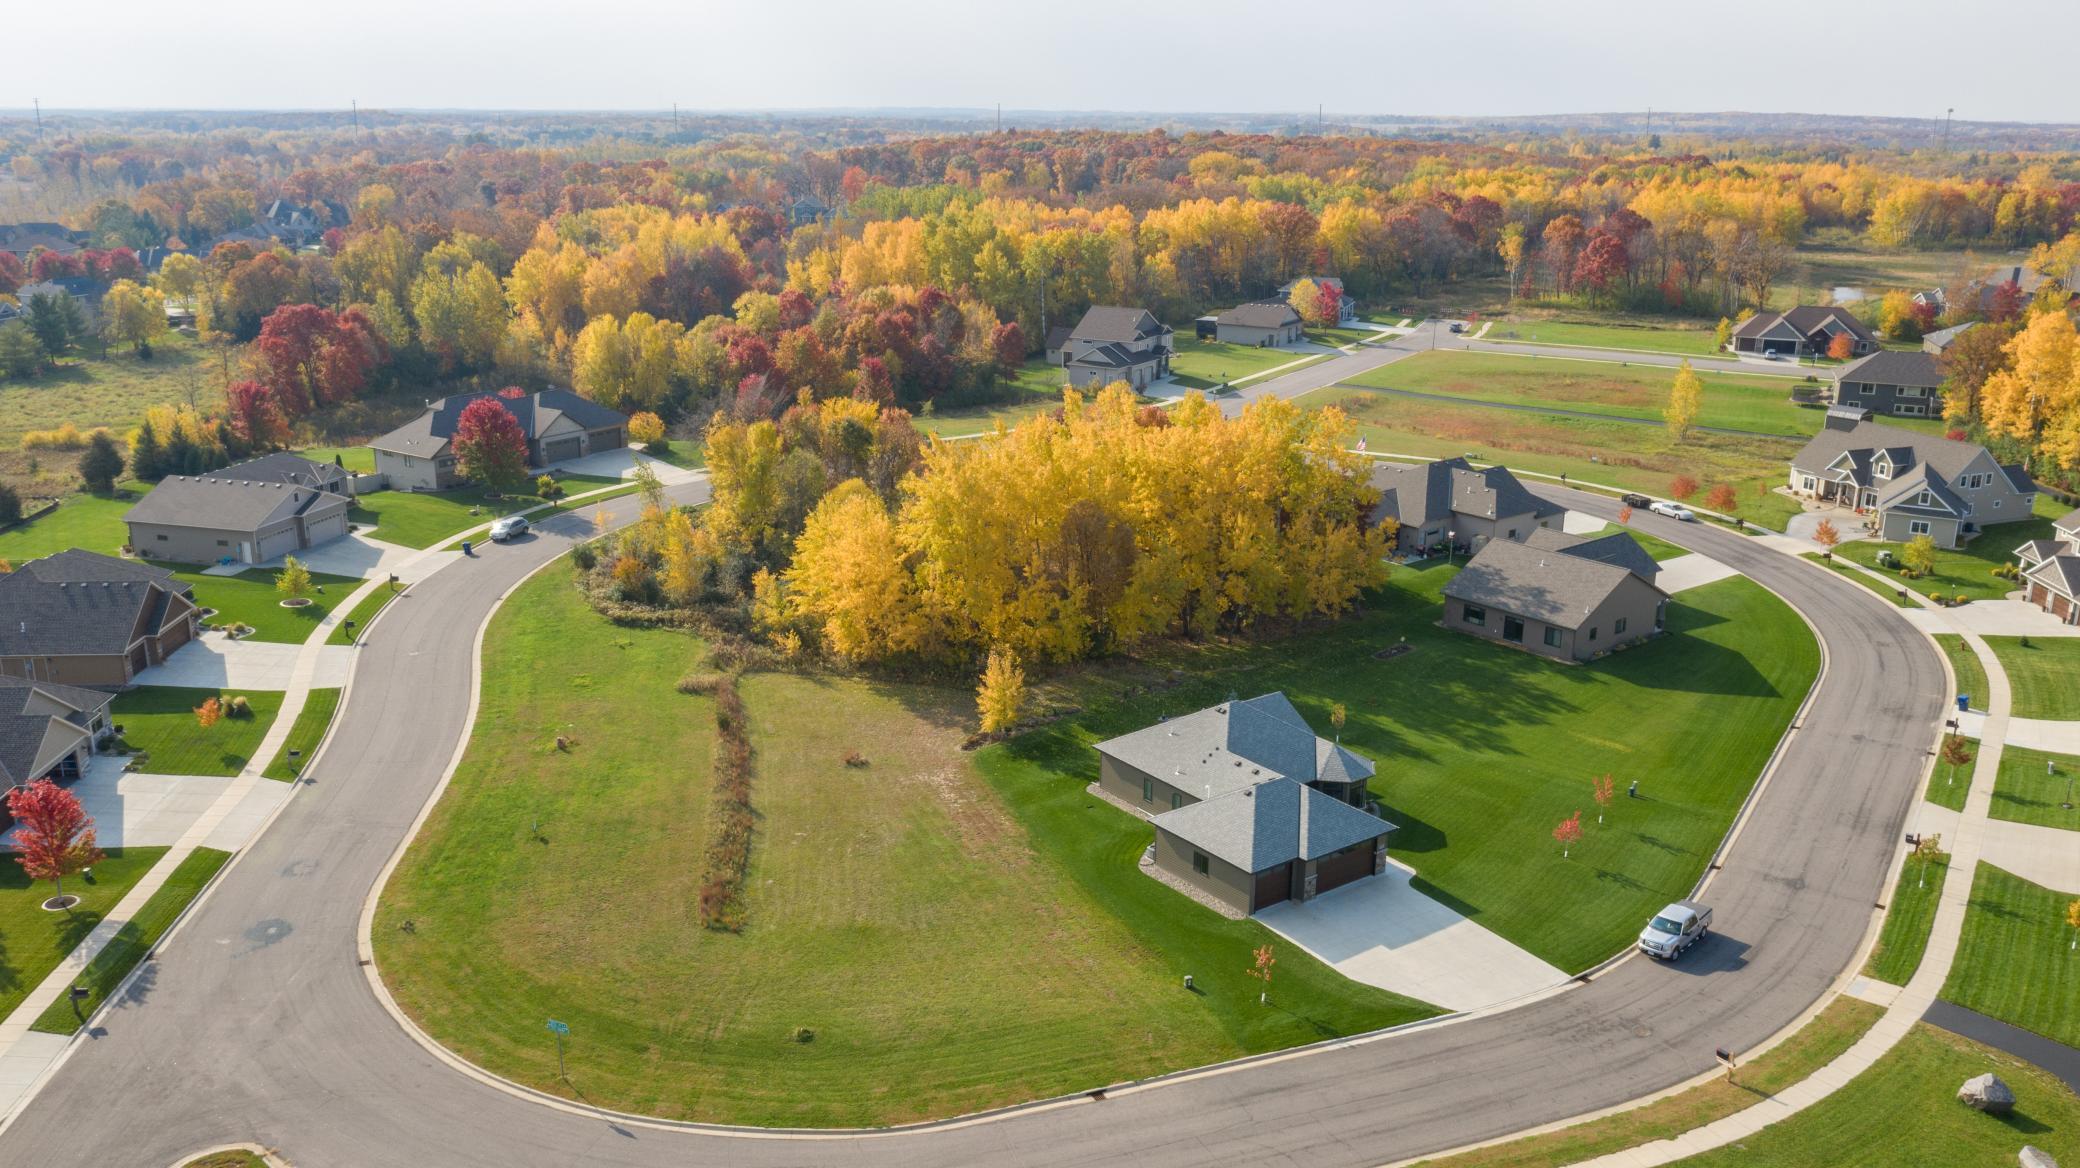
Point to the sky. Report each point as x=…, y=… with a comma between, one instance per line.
x=1901, y=57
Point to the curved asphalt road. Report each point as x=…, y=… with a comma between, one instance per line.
x=256, y=1023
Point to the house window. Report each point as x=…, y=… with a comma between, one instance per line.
x=1512, y=630
x=220, y=543
x=1201, y=864
x=1921, y=500
x=1552, y=637
x=161, y=537
x=1592, y=632
x=1866, y=390
x=1810, y=484
x=1473, y=614
x=1176, y=800
x=1917, y=527
x=1618, y=627
x=1996, y=504
x=1148, y=789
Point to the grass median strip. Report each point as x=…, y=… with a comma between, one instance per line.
x=133, y=941
x=1971, y=675
x=304, y=735
x=1834, y=1030
x=1880, y=587
x=362, y=613
x=1908, y=917
x=35, y=941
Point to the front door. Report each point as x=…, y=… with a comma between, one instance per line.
x=1513, y=630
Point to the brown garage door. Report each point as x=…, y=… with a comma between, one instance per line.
x=1274, y=885
x=1353, y=863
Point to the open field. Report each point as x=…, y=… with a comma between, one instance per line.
x=424, y=518
x=1487, y=748
x=304, y=735
x=112, y=392
x=1759, y=405
x=1908, y=916
x=1818, y=269
x=1971, y=676
x=2032, y=785
x=1689, y=339
x=33, y=942
x=1904, y=1113
x=1834, y=1030
x=1968, y=570
x=1624, y=455
x=1204, y=364
x=133, y=940
x=92, y=522
x=250, y=598
x=2015, y=961
x=2043, y=675
x=1037, y=388
x=909, y=950
x=160, y=720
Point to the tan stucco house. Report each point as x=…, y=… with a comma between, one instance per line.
x=1903, y=483
x=559, y=425
x=1558, y=595
x=83, y=619
x=1250, y=807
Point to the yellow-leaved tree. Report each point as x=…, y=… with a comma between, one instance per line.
x=2039, y=391
x=1001, y=695
x=849, y=579
x=1685, y=400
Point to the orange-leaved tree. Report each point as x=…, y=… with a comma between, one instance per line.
x=1827, y=535
x=1569, y=833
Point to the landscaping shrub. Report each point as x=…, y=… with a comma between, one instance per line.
x=730, y=819
x=240, y=708
x=705, y=684
x=585, y=556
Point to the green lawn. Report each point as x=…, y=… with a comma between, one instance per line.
x=134, y=940
x=1036, y=389
x=33, y=942
x=1339, y=337
x=232, y=1159
x=1908, y=917
x=355, y=459
x=1904, y=1113
x=1968, y=570
x=250, y=598
x=304, y=735
x=1692, y=340
x=1830, y=1033
x=1659, y=549
x=423, y=519
x=362, y=613
x=1624, y=455
x=938, y=958
x=1948, y=789
x=92, y=522
x=1484, y=749
x=2043, y=675
x=112, y=392
x=1760, y=405
x=1881, y=587
x=1971, y=675
x=160, y=720
x=2015, y=961
x=1204, y=364
x=2026, y=790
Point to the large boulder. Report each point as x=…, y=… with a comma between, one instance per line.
x=1988, y=1094
x=2035, y=1157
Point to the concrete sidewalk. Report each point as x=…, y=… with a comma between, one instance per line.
x=2031, y=733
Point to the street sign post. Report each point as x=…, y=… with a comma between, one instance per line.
x=561, y=1030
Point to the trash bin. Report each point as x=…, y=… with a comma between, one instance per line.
x=466, y=547
x=1964, y=703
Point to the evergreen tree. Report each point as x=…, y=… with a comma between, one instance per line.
x=51, y=324
x=147, y=458
x=20, y=354
x=100, y=465
x=10, y=504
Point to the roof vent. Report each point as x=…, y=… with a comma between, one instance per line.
x=1249, y=792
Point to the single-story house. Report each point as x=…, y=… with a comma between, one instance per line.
x=209, y=518
x=1249, y=805
x=1262, y=324
x=1906, y=483
x=1134, y=330
x=79, y=618
x=47, y=731
x=1892, y=382
x=1939, y=341
x=1346, y=308
x=1558, y=595
x=283, y=467
x=1105, y=364
x=23, y=238
x=1804, y=331
x=1450, y=499
x=2051, y=570
x=559, y=425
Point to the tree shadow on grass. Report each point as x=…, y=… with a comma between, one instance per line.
x=1995, y=908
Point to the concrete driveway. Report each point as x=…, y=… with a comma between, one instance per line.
x=215, y=661
x=1681, y=572
x=351, y=555
x=620, y=464
x=146, y=810
x=1382, y=932
x=1847, y=524
x=1992, y=618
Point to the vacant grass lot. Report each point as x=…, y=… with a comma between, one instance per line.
x=1690, y=340
x=304, y=735
x=1339, y=337
x=133, y=940
x=1964, y=663
x=2043, y=675
x=1037, y=388
x=362, y=613
x=1833, y=1031
x=92, y=522
x=1904, y=1113
x=1967, y=570
x=2015, y=961
x=2031, y=786
x=1908, y=917
x=112, y=392
x=1760, y=405
x=354, y=459
x=1881, y=587
x=160, y=720
x=1485, y=748
x=1621, y=454
x=33, y=942
x=1203, y=364
x=1817, y=270
x=423, y=519
x=250, y=598
x=910, y=951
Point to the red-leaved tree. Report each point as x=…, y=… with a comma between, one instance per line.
x=316, y=357
x=1721, y=498
x=1569, y=833
x=1603, y=790
x=1625, y=515
x=490, y=447
x=254, y=414
x=54, y=836
x=1682, y=487
x=1008, y=342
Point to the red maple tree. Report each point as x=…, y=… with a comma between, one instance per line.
x=316, y=357
x=1682, y=487
x=490, y=447
x=1569, y=833
x=54, y=836
x=1603, y=790
x=255, y=416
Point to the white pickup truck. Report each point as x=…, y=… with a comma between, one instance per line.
x=1675, y=929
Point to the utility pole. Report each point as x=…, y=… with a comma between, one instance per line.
x=1946, y=129
x=675, y=119
x=1650, y=123
x=1000, y=117
x=354, y=104
x=38, y=102
x=1318, y=117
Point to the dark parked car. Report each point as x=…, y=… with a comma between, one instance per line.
x=1638, y=500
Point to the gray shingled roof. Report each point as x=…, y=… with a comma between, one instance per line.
x=1121, y=325
x=1893, y=367
x=1616, y=548
x=282, y=467
x=1807, y=319
x=1900, y=493
x=219, y=504
x=63, y=609
x=1114, y=356
x=1234, y=745
x=2038, y=550
x=1947, y=456
x=1415, y=494
x=23, y=734
x=1269, y=824
x=1549, y=586
x=2019, y=479
x=428, y=434
x=1259, y=314
x=77, y=566
x=2059, y=572
x=1941, y=339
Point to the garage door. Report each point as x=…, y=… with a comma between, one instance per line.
x=329, y=528
x=1274, y=886
x=1343, y=867
x=278, y=543
x=562, y=449
x=607, y=439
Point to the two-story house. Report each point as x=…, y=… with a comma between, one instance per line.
x=1892, y=383
x=1906, y=483
x=1116, y=344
